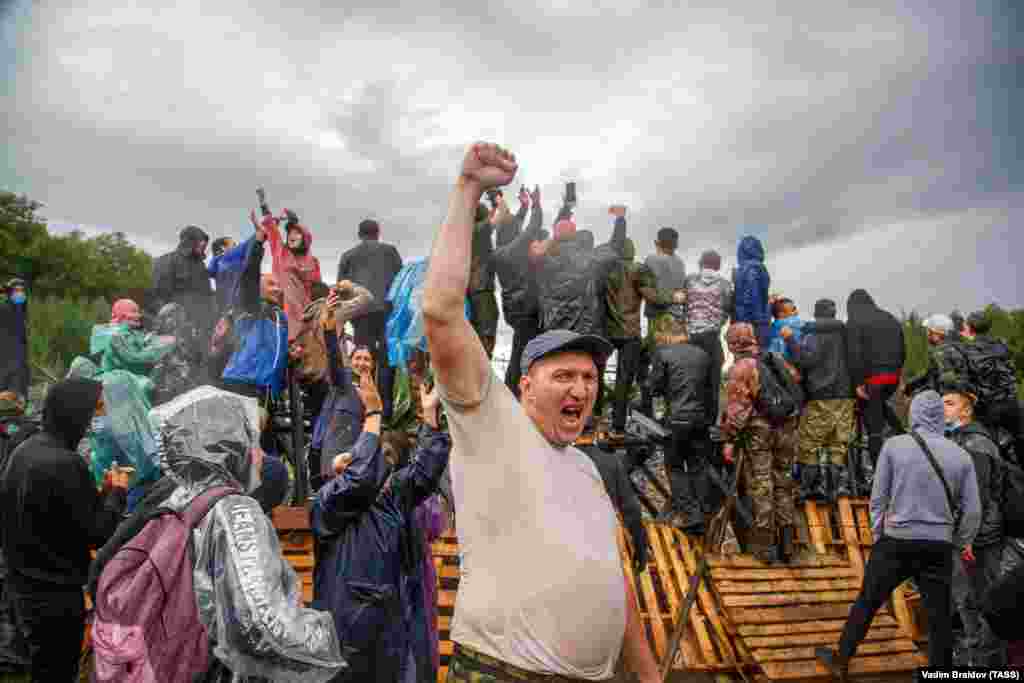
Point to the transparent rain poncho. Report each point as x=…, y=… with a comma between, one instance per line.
x=249, y=597
x=124, y=436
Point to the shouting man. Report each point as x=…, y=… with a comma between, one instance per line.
x=522, y=491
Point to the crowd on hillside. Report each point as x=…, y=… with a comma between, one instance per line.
x=159, y=452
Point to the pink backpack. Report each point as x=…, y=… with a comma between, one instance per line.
x=147, y=627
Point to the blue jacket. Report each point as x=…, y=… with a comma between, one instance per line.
x=777, y=344
x=262, y=332
x=340, y=421
x=366, y=552
x=752, y=282
x=226, y=270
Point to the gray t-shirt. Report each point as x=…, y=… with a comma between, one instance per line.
x=542, y=586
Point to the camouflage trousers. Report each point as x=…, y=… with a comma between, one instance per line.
x=469, y=666
x=768, y=477
x=826, y=428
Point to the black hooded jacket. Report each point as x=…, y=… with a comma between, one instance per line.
x=874, y=339
x=984, y=452
x=14, y=370
x=181, y=277
x=50, y=512
x=821, y=358
x=372, y=264
x=681, y=373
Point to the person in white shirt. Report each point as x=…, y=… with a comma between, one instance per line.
x=542, y=596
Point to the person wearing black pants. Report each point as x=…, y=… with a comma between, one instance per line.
x=627, y=364
x=51, y=622
x=920, y=479
x=679, y=372
x=878, y=413
x=893, y=561
x=711, y=343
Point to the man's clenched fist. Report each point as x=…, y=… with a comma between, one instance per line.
x=487, y=166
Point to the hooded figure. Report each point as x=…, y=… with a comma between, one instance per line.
x=124, y=346
x=122, y=436
x=916, y=533
x=368, y=550
x=752, y=281
x=14, y=370
x=248, y=594
x=295, y=267
x=179, y=370
x=181, y=277
x=875, y=356
x=50, y=516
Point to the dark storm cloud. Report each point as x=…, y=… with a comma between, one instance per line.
x=830, y=132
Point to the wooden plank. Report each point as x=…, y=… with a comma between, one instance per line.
x=786, y=586
x=750, y=562
x=820, y=638
x=700, y=626
x=446, y=647
x=290, y=518
x=819, y=537
x=795, y=613
x=858, y=665
x=864, y=649
x=864, y=526
x=776, y=573
x=881, y=620
x=814, y=598
x=651, y=603
x=903, y=613
x=850, y=535
x=706, y=596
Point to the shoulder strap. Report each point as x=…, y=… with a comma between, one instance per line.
x=198, y=508
x=938, y=470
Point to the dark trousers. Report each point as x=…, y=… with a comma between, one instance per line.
x=643, y=371
x=51, y=620
x=629, y=351
x=369, y=332
x=877, y=413
x=982, y=647
x=522, y=332
x=687, y=463
x=711, y=343
x=893, y=561
x=1006, y=414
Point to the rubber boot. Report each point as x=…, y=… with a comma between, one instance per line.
x=763, y=547
x=812, y=483
x=837, y=665
x=840, y=481
x=786, y=547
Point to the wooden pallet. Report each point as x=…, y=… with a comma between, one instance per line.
x=763, y=620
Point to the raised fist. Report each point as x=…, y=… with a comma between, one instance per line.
x=488, y=166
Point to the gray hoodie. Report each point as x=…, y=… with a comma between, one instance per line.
x=907, y=500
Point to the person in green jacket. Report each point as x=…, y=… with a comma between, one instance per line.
x=122, y=345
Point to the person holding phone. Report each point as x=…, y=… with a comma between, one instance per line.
x=341, y=416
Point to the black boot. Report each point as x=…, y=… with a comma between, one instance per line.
x=833, y=661
x=812, y=484
x=840, y=481
x=786, y=549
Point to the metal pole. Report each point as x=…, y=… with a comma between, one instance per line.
x=298, y=425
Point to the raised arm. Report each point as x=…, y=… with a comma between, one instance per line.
x=457, y=356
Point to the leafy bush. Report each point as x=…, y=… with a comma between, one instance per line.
x=59, y=330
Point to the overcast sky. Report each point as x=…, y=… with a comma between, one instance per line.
x=867, y=147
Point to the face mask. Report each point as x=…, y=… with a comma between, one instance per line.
x=708, y=274
x=953, y=426
x=18, y=298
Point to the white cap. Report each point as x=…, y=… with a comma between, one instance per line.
x=939, y=323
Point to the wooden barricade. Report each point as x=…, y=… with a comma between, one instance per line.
x=764, y=620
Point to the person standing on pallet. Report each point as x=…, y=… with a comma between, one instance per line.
x=542, y=595
x=919, y=477
x=770, y=445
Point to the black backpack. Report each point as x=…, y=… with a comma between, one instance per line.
x=990, y=370
x=1013, y=500
x=781, y=396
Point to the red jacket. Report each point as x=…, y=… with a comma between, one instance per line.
x=295, y=274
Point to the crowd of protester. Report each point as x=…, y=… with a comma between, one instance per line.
x=156, y=463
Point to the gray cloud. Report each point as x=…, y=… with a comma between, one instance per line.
x=830, y=132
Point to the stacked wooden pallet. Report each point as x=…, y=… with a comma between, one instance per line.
x=762, y=620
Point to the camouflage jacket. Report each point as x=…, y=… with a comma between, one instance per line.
x=629, y=285
x=742, y=390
